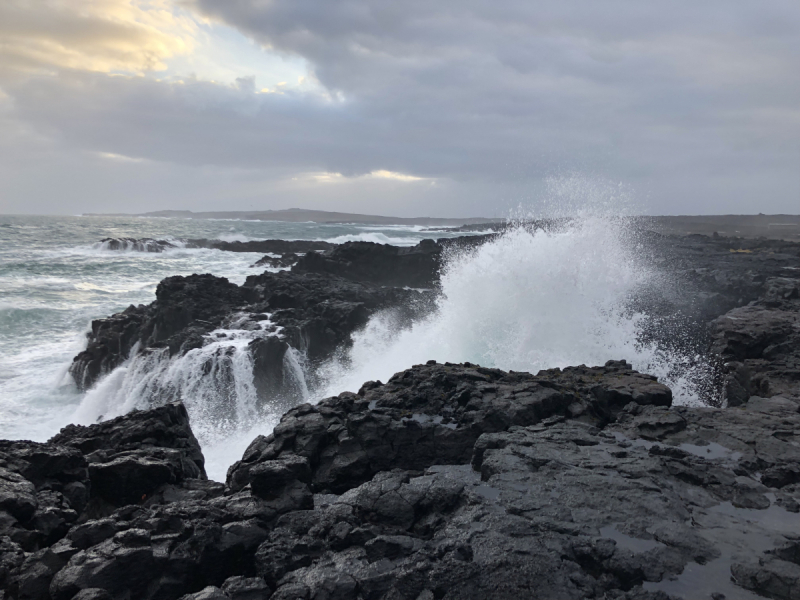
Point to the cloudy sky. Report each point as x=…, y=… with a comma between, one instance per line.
x=420, y=107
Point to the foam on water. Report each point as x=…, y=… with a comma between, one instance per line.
x=375, y=237
x=526, y=301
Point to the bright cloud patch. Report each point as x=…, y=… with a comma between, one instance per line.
x=92, y=35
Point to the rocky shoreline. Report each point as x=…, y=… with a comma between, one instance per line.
x=447, y=481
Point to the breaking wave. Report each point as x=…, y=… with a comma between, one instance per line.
x=531, y=299
x=565, y=293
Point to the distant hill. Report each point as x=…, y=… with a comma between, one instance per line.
x=300, y=215
x=771, y=226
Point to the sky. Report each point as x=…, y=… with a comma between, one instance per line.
x=413, y=108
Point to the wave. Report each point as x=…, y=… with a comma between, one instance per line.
x=526, y=301
x=217, y=382
x=376, y=237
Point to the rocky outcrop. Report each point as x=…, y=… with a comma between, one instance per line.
x=433, y=414
x=381, y=264
x=185, y=308
x=760, y=344
x=314, y=314
x=263, y=246
x=275, y=261
x=448, y=481
x=135, y=244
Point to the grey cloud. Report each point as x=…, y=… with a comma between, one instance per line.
x=697, y=105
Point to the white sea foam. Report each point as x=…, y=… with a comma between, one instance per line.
x=526, y=301
x=376, y=237
x=215, y=382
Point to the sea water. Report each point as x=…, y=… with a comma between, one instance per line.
x=55, y=278
x=528, y=300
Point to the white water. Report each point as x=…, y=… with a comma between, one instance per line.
x=525, y=302
x=216, y=384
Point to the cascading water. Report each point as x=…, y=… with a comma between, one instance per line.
x=216, y=383
x=529, y=300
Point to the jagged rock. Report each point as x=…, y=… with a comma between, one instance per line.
x=246, y=588
x=381, y=264
x=761, y=344
x=131, y=457
x=185, y=307
x=449, y=481
x=771, y=578
x=277, y=262
x=263, y=246
x=433, y=414
x=43, y=489
x=318, y=313
x=135, y=244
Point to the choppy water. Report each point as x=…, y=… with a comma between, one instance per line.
x=54, y=281
x=527, y=301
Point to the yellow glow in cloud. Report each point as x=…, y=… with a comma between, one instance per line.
x=326, y=177
x=94, y=35
x=382, y=174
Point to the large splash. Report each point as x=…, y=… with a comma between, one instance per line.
x=534, y=298
x=563, y=292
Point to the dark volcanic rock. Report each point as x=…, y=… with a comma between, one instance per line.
x=316, y=314
x=449, y=481
x=184, y=309
x=131, y=457
x=284, y=260
x=43, y=489
x=382, y=264
x=263, y=246
x=760, y=344
x=135, y=245
x=433, y=414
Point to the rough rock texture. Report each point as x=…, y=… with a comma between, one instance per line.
x=131, y=457
x=277, y=261
x=184, y=309
x=433, y=414
x=264, y=246
x=136, y=245
x=760, y=344
x=449, y=481
x=316, y=314
x=416, y=266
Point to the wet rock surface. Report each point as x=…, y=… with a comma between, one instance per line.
x=416, y=266
x=135, y=244
x=313, y=313
x=448, y=481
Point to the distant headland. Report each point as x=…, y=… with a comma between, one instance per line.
x=301, y=215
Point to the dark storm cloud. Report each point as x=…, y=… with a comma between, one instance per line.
x=696, y=104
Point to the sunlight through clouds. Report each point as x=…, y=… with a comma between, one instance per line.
x=131, y=36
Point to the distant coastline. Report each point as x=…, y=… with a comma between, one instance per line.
x=300, y=215
x=770, y=226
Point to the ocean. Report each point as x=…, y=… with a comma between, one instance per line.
x=525, y=301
